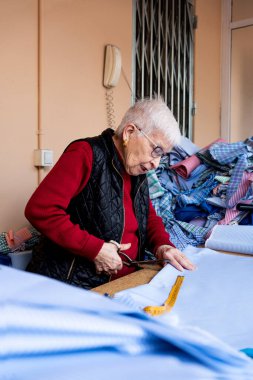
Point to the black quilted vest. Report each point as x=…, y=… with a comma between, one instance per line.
x=98, y=208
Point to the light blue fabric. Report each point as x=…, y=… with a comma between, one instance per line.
x=217, y=297
x=50, y=330
x=187, y=183
x=188, y=146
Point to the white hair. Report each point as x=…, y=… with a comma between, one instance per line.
x=152, y=115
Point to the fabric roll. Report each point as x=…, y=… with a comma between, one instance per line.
x=185, y=167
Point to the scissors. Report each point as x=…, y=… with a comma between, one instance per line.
x=136, y=263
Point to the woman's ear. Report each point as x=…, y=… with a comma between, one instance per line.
x=128, y=131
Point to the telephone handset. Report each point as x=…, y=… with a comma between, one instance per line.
x=112, y=66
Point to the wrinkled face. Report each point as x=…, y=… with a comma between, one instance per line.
x=142, y=152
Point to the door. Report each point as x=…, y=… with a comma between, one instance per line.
x=237, y=92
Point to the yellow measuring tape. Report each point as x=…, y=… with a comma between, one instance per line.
x=170, y=301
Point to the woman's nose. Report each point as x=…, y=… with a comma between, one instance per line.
x=155, y=162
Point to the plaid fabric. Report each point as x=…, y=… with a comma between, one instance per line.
x=164, y=164
x=182, y=234
x=155, y=188
x=226, y=153
x=249, y=142
x=3, y=244
x=197, y=195
x=203, y=177
x=6, y=248
x=163, y=207
x=180, y=238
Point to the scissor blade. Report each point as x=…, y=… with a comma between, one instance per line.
x=134, y=262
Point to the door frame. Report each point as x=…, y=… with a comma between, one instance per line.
x=227, y=26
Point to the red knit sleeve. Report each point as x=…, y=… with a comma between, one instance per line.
x=156, y=233
x=46, y=209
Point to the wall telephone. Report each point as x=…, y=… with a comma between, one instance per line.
x=112, y=66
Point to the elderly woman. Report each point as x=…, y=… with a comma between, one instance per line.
x=95, y=201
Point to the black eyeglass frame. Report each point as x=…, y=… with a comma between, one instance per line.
x=157, y=150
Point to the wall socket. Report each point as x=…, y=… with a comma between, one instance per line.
x=43, y=157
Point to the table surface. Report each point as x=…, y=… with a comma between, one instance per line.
x=140, y=277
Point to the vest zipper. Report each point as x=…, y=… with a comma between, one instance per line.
x=71, y=269
x=140, y=243
x=122, y=200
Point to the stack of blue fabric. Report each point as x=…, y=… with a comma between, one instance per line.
x=193, y=202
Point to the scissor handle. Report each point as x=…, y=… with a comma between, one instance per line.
x=129, y=261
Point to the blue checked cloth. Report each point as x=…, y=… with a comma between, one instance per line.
x=228, y=153
x=234, y=154
x=182, y=234
x=197, y=195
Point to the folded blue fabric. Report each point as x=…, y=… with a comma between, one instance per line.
x=217, y=297
x=52, y=330
x=248, y=351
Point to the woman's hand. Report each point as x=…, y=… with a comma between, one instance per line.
x=108, y=260
x=176, y=258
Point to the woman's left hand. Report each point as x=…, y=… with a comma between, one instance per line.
x=176, y=258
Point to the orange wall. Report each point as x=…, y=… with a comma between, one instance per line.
x=74, y=34
x=18, y=107
x=72, y=98
x=207, y=72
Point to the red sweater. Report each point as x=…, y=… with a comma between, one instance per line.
x=46, y=209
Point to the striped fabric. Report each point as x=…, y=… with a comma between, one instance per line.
x=240, y=194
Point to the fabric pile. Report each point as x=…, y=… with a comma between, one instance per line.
x=193, y=190
x=21, y=240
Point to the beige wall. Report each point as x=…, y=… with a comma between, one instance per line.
x=207, y=72
x=18, y=107
x=74, y=34
x=241, y=72
x=72, y=98
x=241, y=84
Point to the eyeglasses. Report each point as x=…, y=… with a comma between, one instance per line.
x=157, y=151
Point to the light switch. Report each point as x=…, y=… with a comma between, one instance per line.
x=43, y=157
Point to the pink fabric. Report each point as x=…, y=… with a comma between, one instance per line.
x=185, y=167
x=15, y=239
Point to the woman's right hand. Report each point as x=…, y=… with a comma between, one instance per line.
x=107, y=260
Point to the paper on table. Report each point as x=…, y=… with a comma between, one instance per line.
x=232, y=238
